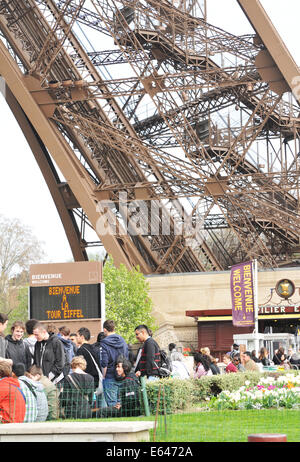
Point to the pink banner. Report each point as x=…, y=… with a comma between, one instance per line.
x=242, y=294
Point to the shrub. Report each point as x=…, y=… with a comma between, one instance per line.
x=177, y=395
x=173, y=395
x=213, y=385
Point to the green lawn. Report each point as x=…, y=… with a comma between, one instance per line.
x=225, y=426
x=222, y=426
x=228, y=426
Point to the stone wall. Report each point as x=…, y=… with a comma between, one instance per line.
x=174, y=294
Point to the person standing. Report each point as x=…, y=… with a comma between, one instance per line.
x=16, y=349
x=63, y=335
x=30, y=340
x=148, y=358
x=49, y=353
x=3, y=341
x=73, y=338
x=88, y=351
x=113, y=346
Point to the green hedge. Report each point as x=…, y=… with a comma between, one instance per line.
x=182, y=395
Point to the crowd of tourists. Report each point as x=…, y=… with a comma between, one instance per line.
x=238, y=359
x=54, y=373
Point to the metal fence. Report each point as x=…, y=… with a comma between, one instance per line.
x=212, y=409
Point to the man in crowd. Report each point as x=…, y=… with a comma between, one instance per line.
x=248, y=363
x=148, y=358
x=3, y=341
x=31, y=339
x=89, y=353
x=49, y=353
x=64, y=336
x=16, y=349
x=113, y=346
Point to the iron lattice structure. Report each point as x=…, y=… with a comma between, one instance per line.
x=154, y=115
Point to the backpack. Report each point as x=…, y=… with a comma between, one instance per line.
x=165, y=365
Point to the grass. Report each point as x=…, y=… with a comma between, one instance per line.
x=223, y=426
x=228, y=426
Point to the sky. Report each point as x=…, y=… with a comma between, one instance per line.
x=24, y=194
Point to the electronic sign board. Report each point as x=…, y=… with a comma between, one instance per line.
x=66, y=291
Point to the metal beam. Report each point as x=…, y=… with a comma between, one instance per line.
x=51, y=177
x=70, y=167
x=273, y=42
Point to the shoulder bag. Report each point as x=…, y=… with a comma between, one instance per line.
x=99, y=390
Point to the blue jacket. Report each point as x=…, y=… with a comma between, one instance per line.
x=112, y=346
x=68, y=347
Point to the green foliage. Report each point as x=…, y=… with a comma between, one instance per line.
x=185, y=394
x=20, y=312
x=127, y=300
x=173, y=394
x=213, y=385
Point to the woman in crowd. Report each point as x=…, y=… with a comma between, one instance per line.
x=212, y=361
x=279, y=356
x=77, y=391
x=254, y=357
x=202, y=366
x=264, y=357
x=179, y=369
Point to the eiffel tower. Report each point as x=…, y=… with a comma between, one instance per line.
x=177, y=141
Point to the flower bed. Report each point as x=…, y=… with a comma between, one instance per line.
x=270, y=392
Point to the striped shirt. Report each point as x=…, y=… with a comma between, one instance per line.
x=30, y=398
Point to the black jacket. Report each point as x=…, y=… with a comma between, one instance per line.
x=150, y=358
x=129, y=396
x=50, y=356
x=266, y=361
x=277, y=358
x=86, y=350
x=77, y=395
x=18, y=351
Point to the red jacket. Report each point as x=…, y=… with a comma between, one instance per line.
x=231, y=368
x=12, y=401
